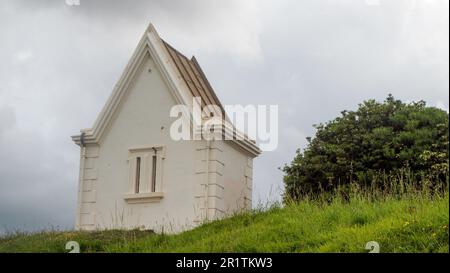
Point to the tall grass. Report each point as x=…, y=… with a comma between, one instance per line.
x=407, y=214
x=398, y=184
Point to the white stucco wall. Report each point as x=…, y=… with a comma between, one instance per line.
x=142, y=120
x=238, y=188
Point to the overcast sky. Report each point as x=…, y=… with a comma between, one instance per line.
x=59, y=63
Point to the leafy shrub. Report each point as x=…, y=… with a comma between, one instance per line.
x=378, y=139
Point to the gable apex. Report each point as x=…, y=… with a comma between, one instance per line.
x=184, y=77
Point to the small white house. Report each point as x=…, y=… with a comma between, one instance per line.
x=134, y=175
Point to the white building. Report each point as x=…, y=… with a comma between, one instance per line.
x=134, y=175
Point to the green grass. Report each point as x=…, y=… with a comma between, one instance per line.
x=408, y=224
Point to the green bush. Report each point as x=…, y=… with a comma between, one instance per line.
x=376, y=140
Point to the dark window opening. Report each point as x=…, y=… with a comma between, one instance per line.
x=138, y=174
x=154, y=173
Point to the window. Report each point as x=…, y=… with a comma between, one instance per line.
x=145, y=173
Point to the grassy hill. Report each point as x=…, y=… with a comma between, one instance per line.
x=409, y=224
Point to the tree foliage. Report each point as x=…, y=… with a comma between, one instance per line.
x=377, y=137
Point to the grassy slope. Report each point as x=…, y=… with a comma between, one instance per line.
x=407, y=225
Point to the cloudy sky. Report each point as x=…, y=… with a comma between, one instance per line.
x=313, y=58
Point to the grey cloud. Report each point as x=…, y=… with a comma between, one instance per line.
x=7, y=118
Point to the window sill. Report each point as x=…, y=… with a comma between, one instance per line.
x=149, y=197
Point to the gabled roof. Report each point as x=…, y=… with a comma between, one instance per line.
x=194, y=77
x=173, y=66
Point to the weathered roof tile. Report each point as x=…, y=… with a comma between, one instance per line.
x=194, y=77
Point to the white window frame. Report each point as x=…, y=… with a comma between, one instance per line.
x=144, y=192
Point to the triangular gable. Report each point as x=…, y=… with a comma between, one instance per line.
x=184, y=77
